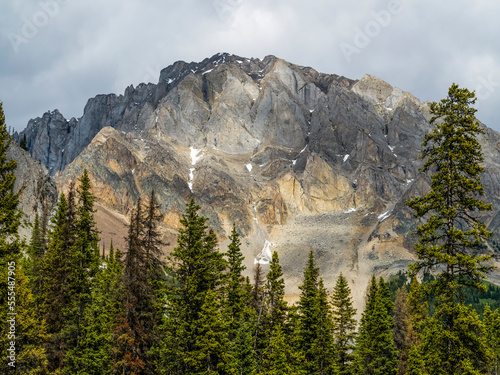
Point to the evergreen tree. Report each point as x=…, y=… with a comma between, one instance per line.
x=279, y=358
x=55, y=274
x=451, y=239
x=84, y=263
x=461, y=351
x=24, y=143
x=138, y=334
x=273, y=309
x=492, y=327
x=33, y=260
x=236, y=296
x=17, y=308
x=344, y=325
x=376, y=353
x=197, y=267
x=315, y=334
x=415, y=362
x=92, y=354
x=210, y=353
x=402, y=331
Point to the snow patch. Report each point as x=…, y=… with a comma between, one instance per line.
x=195, y=157
x=408, y=182
x=265, y=255
x=350, y=210
x=346, y=157
x=208, y=71
x=384, y=216
x=294, y=161
x=249, y=167
x=170, y=80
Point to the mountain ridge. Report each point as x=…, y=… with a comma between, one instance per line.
x=300, y=160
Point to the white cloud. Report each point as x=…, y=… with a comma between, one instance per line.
x=89, y=48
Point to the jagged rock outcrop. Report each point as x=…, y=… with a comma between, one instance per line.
x=36, y=186
x=300, y=160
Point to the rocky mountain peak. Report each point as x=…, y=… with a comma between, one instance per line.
x=300, y=160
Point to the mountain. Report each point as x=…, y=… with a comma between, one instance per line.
x=37, y=188
x=300, y=160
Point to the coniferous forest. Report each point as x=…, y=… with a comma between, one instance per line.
x=66, y=308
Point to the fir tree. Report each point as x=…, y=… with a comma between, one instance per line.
x=344, y=325
x=452, y=236
x=279, y=358
x=236, y=296
x=376, y=353
x=492, y=327
x=92, y=354
x=16, y=299
x=55, y=274
x=210, y=354
x=197, y=267
x=24, y=143
x=84, y=262
x=402, y=331
x=315, y=334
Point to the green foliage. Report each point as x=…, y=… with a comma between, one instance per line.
x=197, y=267
x=452, y=237
x=92, y=353
x=463, y=350
x=376, y=353
x=236, y=294
x=492, y=330
x=24, y=143
x=344, y=325
x=315, y=326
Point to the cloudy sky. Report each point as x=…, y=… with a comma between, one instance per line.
x=59, y=53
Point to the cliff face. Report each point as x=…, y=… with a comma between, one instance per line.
x=37, y=187
x=298, y=159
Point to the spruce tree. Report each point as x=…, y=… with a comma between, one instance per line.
x=452, y=236
x=55, y=274
x=92, y=354
x=84, y=262
x=24, y=143
x=210, y=354
x=17, y=307
x=376, y=353
x=315, y=327
x=236, y=296
x=492, y=327
x=196, y=267
x=344, y=325
x=402, y=331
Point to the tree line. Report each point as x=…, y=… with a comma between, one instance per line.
x=82, y=312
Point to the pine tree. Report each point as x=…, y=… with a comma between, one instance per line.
x=92, y=354
x=55, y=274
x=376, y=353
x=210, y=353
x=197, y=267
x=84, y=263
x=415, y=362
x=273, y=310
x=492, y=327
x=279, y=358
x=17, y=308
x=451, y=239
x=236, y=298
x=344, y=325
x=24, y=143
x=315, y=334
x=402, y=331
x=33, y=260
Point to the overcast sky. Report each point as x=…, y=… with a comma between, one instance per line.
x=59, y=53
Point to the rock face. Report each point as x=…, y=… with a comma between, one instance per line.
x=298, y=159
x=35, y=184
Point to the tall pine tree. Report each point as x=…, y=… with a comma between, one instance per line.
x=452, y=237
x=344, y=325
x=375, y=352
